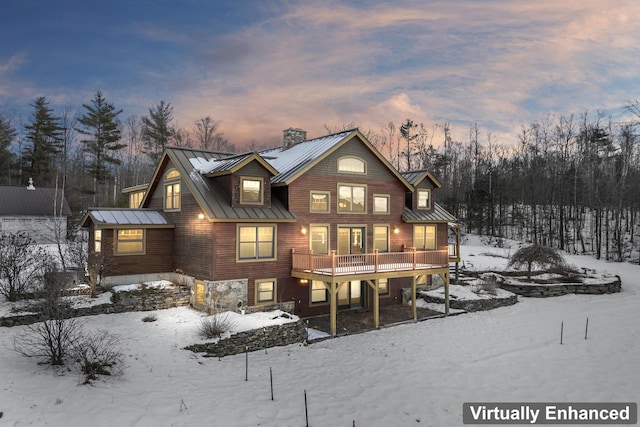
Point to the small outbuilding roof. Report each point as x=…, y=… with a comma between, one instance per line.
x=32, y=201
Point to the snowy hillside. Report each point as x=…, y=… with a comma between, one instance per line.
x=407, y=375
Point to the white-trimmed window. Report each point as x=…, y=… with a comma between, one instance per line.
x=424, y=198
x=424, y=236
x=351, y=164
x=97, y=240
x=319, y=239
x=352, y=198
x=380, y=203
x=319, y=201
x=172, y=190
x=251, y=191
x=256, y=242
x=319, y=292
x=129, y=241
x=265, y=291
x=381, y=238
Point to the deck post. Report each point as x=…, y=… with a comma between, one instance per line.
x=333, y=262
x=376, y=303
x=414, y=258
x=333, y=308
x=446, y=293
x=375, y=256
x=414, y=308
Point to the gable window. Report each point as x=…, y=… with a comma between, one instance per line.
x=130, y=241
x=251, y=191
x=97, y=241
x=380, y=204
x=256, y=242
x=172, y=191
x=265, y=291
x=319, y=292
x=381, y=238
x=135, y=199
x=319, y=239
x=424, y=236
x=424, y=199
x=351, y=198
x=319, y=201
x=352, y=165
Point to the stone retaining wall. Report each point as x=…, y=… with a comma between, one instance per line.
x=473, y=305
x=139, y=300
x=544, y=291
x=257, y=339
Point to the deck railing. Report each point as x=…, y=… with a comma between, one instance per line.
x=335, y=265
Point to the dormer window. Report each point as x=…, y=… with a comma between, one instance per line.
x=172, y=191
x=251, y=191
x=352, y=164
x=424, y=199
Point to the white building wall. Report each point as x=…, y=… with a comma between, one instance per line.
x=41, y=228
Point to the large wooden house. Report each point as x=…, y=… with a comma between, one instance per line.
x=321, y=225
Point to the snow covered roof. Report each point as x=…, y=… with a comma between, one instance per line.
x=103, y=217
x=38, y=201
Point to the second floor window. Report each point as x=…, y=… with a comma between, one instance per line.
x=381, y=238
x=319, y=239
x=251, y=191
x=424, y=236
x=256, y=242
x=424, y=199
x=172, y=197
x=319, y=201
x=380, y=204
x=351, y=198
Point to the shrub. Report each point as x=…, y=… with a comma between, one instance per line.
x=536, y=255
x=215, y=326
x=150, y=318
x=97, y=353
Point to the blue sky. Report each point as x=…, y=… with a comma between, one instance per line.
x=262, y=66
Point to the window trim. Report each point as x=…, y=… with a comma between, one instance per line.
x=364, y=209
x=117, y=240
x=274, y=291
x=382, y=196
x=173, y=198
x=258, y=179
x=388, y=227
x=274, y=243
x=328, y=228
x=435, y=236
x=352, y=172
x=326, y=294
x=423, y=190
x=325, y=193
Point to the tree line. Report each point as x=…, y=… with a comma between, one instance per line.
x=93, y=153
x=570, y=182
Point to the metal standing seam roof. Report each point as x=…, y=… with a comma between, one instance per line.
x=128, y=217
x=214, y=201
x=289, y=162
x=438, y=214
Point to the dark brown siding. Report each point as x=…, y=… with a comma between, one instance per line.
x=157, y=257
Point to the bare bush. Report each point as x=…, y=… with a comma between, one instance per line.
x=98, y=353
x=536, y=255
x=215, y=326
x=20, y=264
x=50, y=340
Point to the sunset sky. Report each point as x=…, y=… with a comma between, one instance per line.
x=262, y=66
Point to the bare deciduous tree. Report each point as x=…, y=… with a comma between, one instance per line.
x=20, y=264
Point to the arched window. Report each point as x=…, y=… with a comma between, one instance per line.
x=352, y=165
x=172, y=190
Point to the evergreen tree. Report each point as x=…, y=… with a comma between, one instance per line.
x=44, y=138
x=157, y=131
x=7, y=135
x=101, y=129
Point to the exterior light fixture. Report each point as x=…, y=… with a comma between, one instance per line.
x=303, y=230
x=200, y=215
x=396, y=230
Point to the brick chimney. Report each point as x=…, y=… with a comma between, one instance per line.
x=293, y=136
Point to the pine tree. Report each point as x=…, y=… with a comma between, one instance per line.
x=101, y=129
x=157, y=131
x=44, y=137
x=7, y=135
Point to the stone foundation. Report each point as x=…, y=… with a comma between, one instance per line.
x=544, y=291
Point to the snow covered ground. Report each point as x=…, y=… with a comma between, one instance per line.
x=407, y=375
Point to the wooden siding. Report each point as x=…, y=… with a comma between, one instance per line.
x=156, y=259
